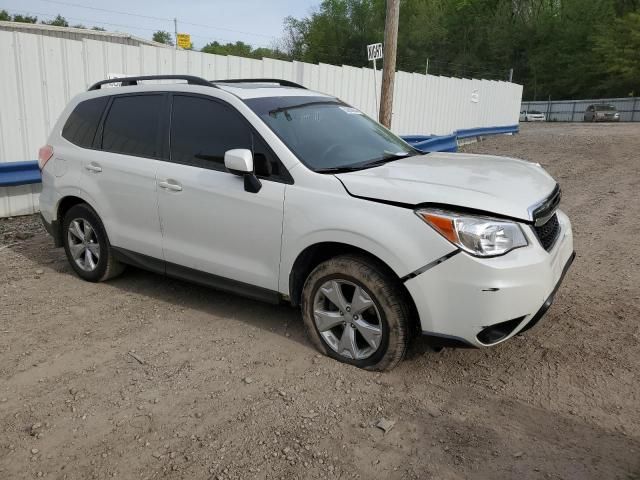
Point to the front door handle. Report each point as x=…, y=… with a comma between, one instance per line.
x=169, y=185
x=92, y=167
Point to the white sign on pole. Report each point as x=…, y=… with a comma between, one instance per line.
x=374, y=51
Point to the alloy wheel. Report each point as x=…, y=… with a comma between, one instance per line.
x=83, y=244
x=347, y=319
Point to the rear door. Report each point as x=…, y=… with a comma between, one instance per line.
x=209, y=222
x=119, y=173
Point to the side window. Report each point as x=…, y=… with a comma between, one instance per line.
x=203, y=130
x=132, y=126
x=81, y=126
x=265, y=163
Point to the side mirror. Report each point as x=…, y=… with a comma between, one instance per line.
x=239, y=161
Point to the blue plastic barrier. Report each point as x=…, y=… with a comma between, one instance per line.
x=482, y=131
x=19, y=173
x=444, y=143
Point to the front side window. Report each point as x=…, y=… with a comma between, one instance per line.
x=132, y=126
x=203, y=130
x=328, y=135
x=81, y=126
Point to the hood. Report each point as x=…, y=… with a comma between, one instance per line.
x=499, y=185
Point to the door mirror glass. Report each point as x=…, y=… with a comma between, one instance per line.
x=239, y=161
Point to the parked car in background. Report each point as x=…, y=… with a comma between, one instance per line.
x=267, y=189
x=532, y=116
x=601, y=113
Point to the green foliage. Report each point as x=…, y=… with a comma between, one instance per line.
x=561, y=48
x=25, y=19
x=6, y=17
x=241, y=49
x=620, y=46
x=59, y=21
x=163, y=37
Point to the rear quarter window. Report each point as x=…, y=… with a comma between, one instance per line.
x=80, y=128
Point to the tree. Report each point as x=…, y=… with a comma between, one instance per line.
x=4, y=16
x=99, y=29
x=619, y=47
x=241, y=49
x=59, y=21
x=561, y=48
x=24, y=19
x=163, y=37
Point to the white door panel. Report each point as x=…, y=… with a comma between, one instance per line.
x=124, y=189
x=210, y=223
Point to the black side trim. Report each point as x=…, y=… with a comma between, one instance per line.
x=429, y=265
x=443, y=340
x=144, y=262
x=545, y=306
x=196, y=276
x=53, y=229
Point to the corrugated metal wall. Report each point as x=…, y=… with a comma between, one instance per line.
x=40, y=74
x=573, y=110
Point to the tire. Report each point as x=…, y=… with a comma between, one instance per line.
x=387, y=312
x=100, y=265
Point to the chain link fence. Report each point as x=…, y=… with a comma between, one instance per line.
x=573, y=110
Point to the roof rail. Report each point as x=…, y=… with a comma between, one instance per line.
x=129, y=81
x=284, y=83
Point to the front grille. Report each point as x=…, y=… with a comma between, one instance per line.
x=548, y=233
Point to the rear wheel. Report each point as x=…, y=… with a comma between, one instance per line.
x=87, y=245
x=356, y=312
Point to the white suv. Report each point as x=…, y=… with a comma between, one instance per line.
x=267, y=189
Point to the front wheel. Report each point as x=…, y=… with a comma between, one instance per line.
x=356, y=312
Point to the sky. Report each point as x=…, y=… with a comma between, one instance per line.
x=257, y=22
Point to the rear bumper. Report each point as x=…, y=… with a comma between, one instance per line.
x=465, y=296
x=53, y=229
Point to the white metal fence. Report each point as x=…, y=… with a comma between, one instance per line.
x=573, y=110
x=41, y=74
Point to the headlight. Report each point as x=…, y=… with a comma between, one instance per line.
x=480, y=236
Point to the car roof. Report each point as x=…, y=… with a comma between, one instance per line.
x=240, y=88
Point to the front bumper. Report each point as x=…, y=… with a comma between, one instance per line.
x=465, y=295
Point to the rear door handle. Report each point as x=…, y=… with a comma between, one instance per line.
x=169, y=185
x=92, y=167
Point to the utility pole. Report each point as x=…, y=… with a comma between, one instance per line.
x=426, y=70
x=175, y=31
x=389, y=65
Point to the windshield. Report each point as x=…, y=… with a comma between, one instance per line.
x=601, y=108
x=328, y=135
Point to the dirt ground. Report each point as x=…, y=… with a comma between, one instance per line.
x=147, y=377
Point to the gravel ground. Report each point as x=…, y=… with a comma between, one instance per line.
x=147, y=377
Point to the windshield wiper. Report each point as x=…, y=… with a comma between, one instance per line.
x=362, y=166
x=386, y=159
x=338, y=169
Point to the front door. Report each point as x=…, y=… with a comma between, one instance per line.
x=209, y=222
